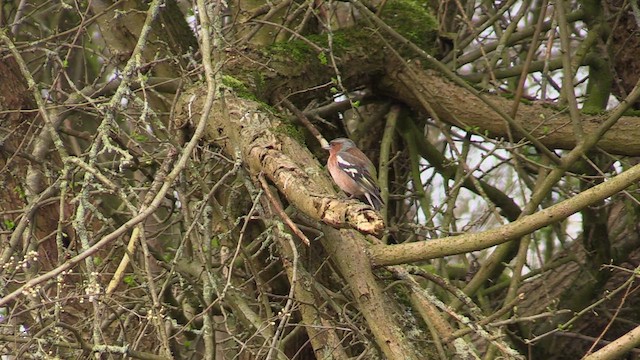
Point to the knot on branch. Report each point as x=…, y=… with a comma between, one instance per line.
x=340, y=213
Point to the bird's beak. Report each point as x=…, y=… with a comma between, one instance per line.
x=326, y=145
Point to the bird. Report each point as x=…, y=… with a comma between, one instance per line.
x=353, y=172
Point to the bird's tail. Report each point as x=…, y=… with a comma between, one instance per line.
x=374, y=199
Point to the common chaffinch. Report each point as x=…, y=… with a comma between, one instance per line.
x=353, y=172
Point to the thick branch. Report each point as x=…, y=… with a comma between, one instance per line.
x=553, y=127
x=363, y=61
x=418, y=251
x=245, y=131
x=347, y=251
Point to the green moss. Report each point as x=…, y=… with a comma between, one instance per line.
x=412, y=20
x=301, y=52
x=296, y=50
x=241, y=89
x=9, y=224
x=340, y=40
x=596, y=110
x=292, y=131
x=259, y=81
x=238, y=86
x=512, y=96
x=263, y=106
x=290, y=57
x=630, y=112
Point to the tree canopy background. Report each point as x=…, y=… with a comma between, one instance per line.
x=165, y=195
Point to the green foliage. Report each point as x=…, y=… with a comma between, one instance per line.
x=474, y=129
x=130, y=280
x=323, y=58
x=20, y=191
x=139, y=137
x=97, y=260
x=9, y=224
x=167, y=257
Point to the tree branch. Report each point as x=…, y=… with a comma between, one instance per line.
x=424, y=250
